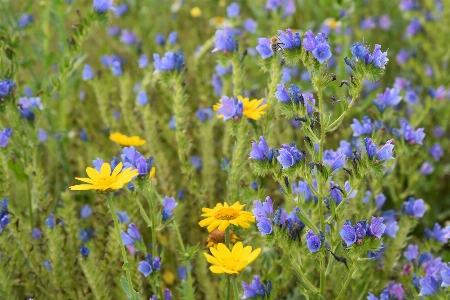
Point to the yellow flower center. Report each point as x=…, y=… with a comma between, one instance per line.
x=226, y=213
x=231, y=265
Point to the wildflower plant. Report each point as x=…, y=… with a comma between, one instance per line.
x=246, y=150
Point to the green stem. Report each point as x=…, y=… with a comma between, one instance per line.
x=235, y=288
x=305, y=280
x=188, y=268
x=320, y=186
x=143, y=213
x=349, y=277
x=126, y=265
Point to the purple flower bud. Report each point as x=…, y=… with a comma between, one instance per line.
x=313, y=242
x=412, y=252
x=145, y=268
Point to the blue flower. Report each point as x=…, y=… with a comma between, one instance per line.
x=390, y=97
x=169, y=62
x=169, y=205
x=142, y=98
x=348, y=234
x=264, y=226
x=224, y=40
x=337, y=195
x=85, y=211
x=113, y=31
x=426, y=168
x=411, y=136
x=376, y=227
x=233, y=10
x=159, y=39
x=228, y=108
x=437, y=233
x=123, y=217
x=263, y=209
x=412, y=252
x=263, y=48
x=167, y=294
x=204, y=114
x=145, y=268
x=222, y=71
x=101, y=6
x=182, y=273
x=430, y=286
x=36, y=234
x=386, y=151
x=121, y=9
x=5, y=134
x=172, y=37
x=379, y=200
x=289, y=40
x=25, y=20
x=253, y=290
x=84, y=251
x=406, y=5
x=156, y=263
x=133, y=235
x=303, y=190
x=250, y=25
x=133, y=159
x=445, y=274
x=377, y=58
x=217, y=84
x=309, y=98
x=85, y=235
x=318, y=45
x=411, y=97
x=413, y=27
x=143, y=61
x=88, y=74
x=414, y=208
x=289, y=155
x=50, y=221
x=282, y=94
x=48, y=266
x=313, y=242
x=337, y=162
x=364, y=128
x=260, y=151
x=196, y=162
x=402, y=57
x=436, y=151
x=6, y=86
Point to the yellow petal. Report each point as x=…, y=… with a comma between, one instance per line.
x=105, y=170
x=224, y=225
x=117, y=169
x=214, y=224
x=253, y=255
x=82, y=187
x=87, y=180
x=205, y=222
x=92, y=173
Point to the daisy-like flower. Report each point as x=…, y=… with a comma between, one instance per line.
x=252, y=109
x=231, y=262
x=222, y=215
x=105, y=181
x=218, y=237
x=126, y=140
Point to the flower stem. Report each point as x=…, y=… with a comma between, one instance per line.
x=344, y=287
x=126, y=265
x=143, y=213
x=299, y=272
x=188, y=267
x=320, y=184
x=235, y=288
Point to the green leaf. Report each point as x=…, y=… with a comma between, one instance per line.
x=18, y=170
x=126, y=287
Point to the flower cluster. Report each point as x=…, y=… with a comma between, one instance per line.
x=317, y=45
x=261, y=151
x=256, y=289
x=377, y=58
x=4, y=214
x=6, y=86
x=362, y=128
x=289, y=155
x=169, y=62
x=5, y=134
x=410, y=135
x=27, y=106
x=134, y=160
x=150, y=264
x=384, y=153
x=355, y=234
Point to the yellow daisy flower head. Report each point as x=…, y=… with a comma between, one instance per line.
x=217, y=237
x=222, y=215
x=253, y=108
x=105, y=181
x=232, y=108
x=332, y=23
x=126, y=140
x=231, y=262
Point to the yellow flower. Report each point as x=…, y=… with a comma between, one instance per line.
x=105, y=181
x=216, y=237
x=231, y=262
x=152, y=172
x=332, y=23
x=221, y=216
x=252, y=108
x=196, y=12
x=126, y=140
